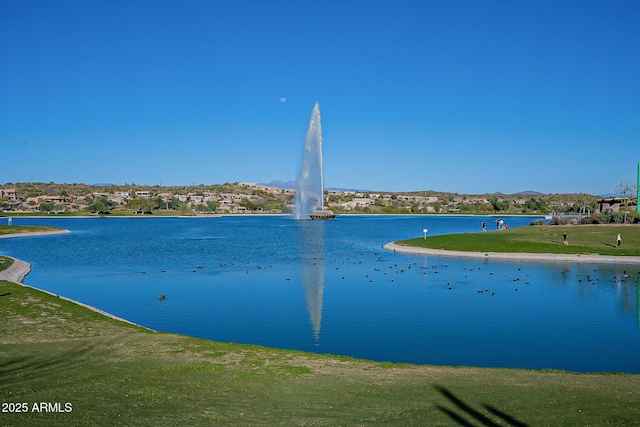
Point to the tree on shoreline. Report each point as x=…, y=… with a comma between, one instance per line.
x=47, y=206
x=625, y=190
x=101, y=205
x=500, y=205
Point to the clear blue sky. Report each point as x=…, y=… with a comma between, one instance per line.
x=460, y=96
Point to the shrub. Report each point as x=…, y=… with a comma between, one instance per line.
x=633, y=217
x=593, y=219
x=605, y=217
x=559, y=220
x=617, y=217
x=538, y=222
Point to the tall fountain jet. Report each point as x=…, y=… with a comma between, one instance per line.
x=310, y=194
x=310, y=202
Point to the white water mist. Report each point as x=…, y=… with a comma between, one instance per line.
x=310, y=194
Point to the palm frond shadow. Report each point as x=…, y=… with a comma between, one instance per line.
x=465, y=415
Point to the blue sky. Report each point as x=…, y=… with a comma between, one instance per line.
x=460, y=96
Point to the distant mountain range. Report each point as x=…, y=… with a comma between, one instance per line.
x=293, y=185
x=527, y=193
x=285, y=185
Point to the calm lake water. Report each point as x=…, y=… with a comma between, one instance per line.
x=329, y=287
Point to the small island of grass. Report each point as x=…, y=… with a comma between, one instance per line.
x=584, y=240
x=28, y=230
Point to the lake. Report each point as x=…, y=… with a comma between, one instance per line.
x=329, y=287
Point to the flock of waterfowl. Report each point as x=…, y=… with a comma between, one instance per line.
x=488, y=283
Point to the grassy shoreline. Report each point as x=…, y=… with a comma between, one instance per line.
x=101, y=371
x=543, y=239
x=90, y=369
x=112, y=373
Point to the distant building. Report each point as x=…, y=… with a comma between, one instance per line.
x=55, y=199
x=417, y=199
x=9, y=193
x=614, y=204
x=356, y=203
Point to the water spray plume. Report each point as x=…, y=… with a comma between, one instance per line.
x=309, y=196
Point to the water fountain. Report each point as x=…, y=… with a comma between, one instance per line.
x=310, y=194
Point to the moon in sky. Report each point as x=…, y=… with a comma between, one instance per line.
x=283, y=99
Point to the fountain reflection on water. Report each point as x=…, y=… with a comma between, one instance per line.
x=310, y=200
x=313, y=253
x=265, y=280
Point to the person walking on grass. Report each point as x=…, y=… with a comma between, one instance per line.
x=618, y=240
x=564, y=239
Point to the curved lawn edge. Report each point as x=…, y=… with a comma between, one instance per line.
x=16, y=271
x=589, y=258
x=20, y=269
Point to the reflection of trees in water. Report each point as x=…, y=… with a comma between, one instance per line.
x=312, y=256
x=627, y=286
x=586, y=276
x=628, y=291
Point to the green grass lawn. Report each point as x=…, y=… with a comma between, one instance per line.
x=5, y=262
x=583, y=239
x=110, y=373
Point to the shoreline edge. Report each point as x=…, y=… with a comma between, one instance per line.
x=587, y=258
x=17, y=272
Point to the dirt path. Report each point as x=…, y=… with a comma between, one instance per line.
x=516, y=256
x=17, y=272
